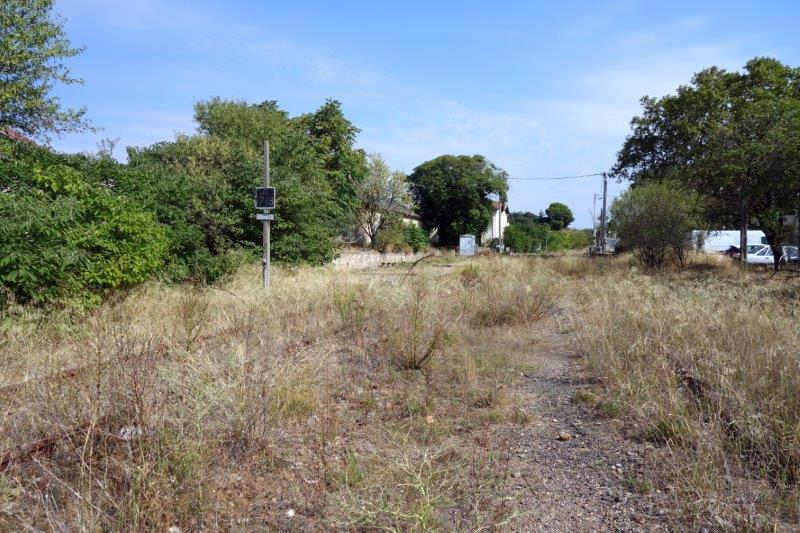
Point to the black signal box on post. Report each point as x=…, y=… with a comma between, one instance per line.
x=265, y=197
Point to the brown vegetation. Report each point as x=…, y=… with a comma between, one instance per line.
x=338, y=401
x=356, y=402
x=704, y=362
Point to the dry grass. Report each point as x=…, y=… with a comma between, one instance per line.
x=706, y=362
x=341, y=399
x=349, y=400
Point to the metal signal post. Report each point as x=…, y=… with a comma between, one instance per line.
x=265, y=199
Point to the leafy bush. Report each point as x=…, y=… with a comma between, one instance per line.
x=416, y=237
x=526, y=238
x=656, y=220
x=391, y=236
x=395, y=235
x=64, y=236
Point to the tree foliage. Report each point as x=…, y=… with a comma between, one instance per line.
x=559, y=216
x=379, y=194
x=733, y=136
x=32, y=48
x=333, y=137
x=656, y=220
x=216, y=172
x=453, y=194
x=181, y=209
x=66, y=235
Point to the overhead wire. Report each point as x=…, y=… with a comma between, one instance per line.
x=558, y=177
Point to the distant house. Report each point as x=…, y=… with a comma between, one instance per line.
x=406, y=214
x=498, y=224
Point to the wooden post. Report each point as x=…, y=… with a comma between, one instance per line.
x=603, y=216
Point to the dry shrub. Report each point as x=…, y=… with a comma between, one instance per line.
x=189, y=405
x=418, y=327
x=192, y=314
x=710, y=367
x=351, y=303
x=507, y=298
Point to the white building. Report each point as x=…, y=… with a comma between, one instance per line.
x=498, y=224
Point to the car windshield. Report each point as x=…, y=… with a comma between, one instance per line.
x=753, y=248
x=790, y=251
x=765, y=251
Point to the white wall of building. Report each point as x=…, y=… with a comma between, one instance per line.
x=496, y=227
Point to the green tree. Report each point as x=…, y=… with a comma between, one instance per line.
x=525, y=218
x=452, y=194
x=655, y=220
x=206, y=181
x=380, y=193
x=32, y=48
x=333, y=138
x=559, y=216
x=733, y=136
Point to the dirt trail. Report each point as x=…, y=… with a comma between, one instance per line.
x=592, y=479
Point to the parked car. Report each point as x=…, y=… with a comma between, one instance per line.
x=733, y=251
x=763, y=255
x=791, y=254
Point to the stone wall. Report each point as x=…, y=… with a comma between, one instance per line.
x=371, y=258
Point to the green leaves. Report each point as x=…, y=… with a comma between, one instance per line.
x=452, y=193
x=559, y=216
x=32, y=46
x=63, y=236
x=655, y=220
x=732, y=136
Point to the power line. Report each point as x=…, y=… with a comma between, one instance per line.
x=558, y=177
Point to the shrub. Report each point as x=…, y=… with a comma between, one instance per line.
x=391, y=237
x=655, y=220
x=397, y=236
x=63, y=236
x=526, y=237
x=416, y=237
x=421, y=331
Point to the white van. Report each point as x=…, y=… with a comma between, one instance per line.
x=716, y=241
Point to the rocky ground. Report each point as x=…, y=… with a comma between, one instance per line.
x=572, y=468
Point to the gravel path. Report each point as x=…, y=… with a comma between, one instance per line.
x=572, y=470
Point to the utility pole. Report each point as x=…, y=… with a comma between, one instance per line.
x=603, y=215
x=266, y=224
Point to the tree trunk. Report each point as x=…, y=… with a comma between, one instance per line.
x=743, y=233
x=775, y=240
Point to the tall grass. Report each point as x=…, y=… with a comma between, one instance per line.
x=225, y=408
x=708, y=365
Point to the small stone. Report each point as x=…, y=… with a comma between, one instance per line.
x=517, y=474
x=290, y=513
x=429, y=419
x=564, y=436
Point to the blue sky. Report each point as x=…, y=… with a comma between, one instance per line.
x=540, y=88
